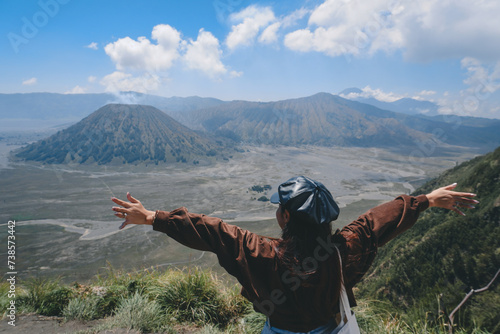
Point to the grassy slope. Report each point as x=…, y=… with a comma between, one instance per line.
x=427, y=271
x=174, y=301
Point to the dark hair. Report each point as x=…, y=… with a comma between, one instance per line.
x=299, y=239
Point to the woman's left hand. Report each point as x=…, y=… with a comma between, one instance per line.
x=133, y=212
x=446, y=198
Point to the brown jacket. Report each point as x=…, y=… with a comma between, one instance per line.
x=294, y=303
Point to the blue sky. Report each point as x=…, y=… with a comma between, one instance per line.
x=444, y=51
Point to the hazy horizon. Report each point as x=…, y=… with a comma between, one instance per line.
x=258, y=50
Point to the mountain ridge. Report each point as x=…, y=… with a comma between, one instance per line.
x=118, y=133
x=323, y=119
x=314, y=120
x=326, y=119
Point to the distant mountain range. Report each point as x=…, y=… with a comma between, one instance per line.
x=326, y=119
x=118, y=133
x=322, y=119
x=46, y=106
x=405, y=105
x=435, y=263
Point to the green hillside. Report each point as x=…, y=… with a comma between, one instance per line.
x=428, y=270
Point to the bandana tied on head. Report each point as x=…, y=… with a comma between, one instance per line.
x=302, y=194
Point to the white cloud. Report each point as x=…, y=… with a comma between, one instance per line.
x=386, y=96
x=204, y=55
x=270, y=34
x=333, y=41
x=300, y=40
x=481, y=97
x=30, y=82
x=294, y=17
x=378, y=94
x=330, y=12
x=346, y=27
x=92, y=46
x=479, y=74
x=126, y=98
x=91, y=79
x=76, y=90
x=250, y=21
x=450, y=29
x=141, y=64
x=120, y=81
x=141, y=54
x=424, y=30
x=425, y=95
x=235, y=74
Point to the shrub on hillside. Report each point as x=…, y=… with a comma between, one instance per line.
x=139, y=313
x=44, y=296
x=197, y=297
x=82, y=309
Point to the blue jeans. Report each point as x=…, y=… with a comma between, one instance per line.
x=330, y=328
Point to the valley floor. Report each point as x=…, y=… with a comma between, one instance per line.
x=65, y=226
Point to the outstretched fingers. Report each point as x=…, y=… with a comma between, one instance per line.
x=457, y=211
x=457, y=193
x=462, y=194
x=122, y=212
x=447, y=198
x=463, y=200
x=132, y=199
x=466, y=202
x=132, y=211
x=451, y=186
x=120, y=202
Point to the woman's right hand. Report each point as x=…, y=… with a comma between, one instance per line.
x=133, y=212
x=446, y=198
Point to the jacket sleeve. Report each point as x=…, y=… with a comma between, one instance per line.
x=374, y=229
x=237, y=250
